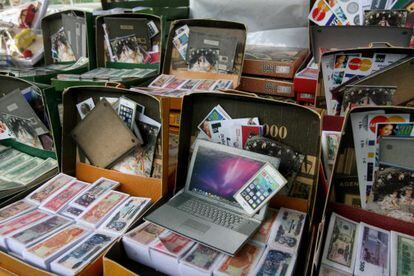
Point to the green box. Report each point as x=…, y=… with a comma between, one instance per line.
x=50, y=25
x=8, y=84
x=53, y=22
x=101, y=62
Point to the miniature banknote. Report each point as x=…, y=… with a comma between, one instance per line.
x=276, y=262
x=49, y=188
x=201, y=257
x=402, y=257
x=341, y=243
x=373, y=251
x=288, y=229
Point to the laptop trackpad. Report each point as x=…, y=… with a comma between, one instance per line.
x=195, y=225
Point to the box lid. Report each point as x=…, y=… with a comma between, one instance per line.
x=8, y=85
x=108, y=4
x=101, y=58
x=217, y=35
x=53, y=22
x=397, y=74
x=339, y=37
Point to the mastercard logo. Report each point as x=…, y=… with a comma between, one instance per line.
x=360, y=64
x=318, y=14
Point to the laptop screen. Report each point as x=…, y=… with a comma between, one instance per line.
x=219, y=174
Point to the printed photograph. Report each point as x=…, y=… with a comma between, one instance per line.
x=203, y=60
x=61, y=49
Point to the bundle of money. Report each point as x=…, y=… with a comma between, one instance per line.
x=272, y=251
x=18, y=170
x=353, y=248
x=35, y=230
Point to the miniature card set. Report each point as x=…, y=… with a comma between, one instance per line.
x=172, y=83
x=368, y=13
x=353, y=248
x=131, y=40
x=109, y=74
x=18, y=170
x=384, y=182
x=341, y=73
x=38, y=229
x=273, y=248
x=200, y=50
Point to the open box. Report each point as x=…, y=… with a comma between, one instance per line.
x=295, y=125
x=53, y=22
x=102, y=60
x=51, y=25
x=216, y=34
x=364, y=39
x=73, y=164
x=343, y=194
x=8, y=85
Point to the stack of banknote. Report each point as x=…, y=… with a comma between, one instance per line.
x=65, y=224
x=353, y=248
x=272, y=251
x=18, y=170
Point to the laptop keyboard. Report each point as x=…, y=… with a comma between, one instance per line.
x=209, y=212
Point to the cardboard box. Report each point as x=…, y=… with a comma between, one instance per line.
x=51, y=24
x=268, y=86
x=326, y=38
x=339, y=187
x=303, y=130
x=101, y=59
x=237, y=30
x=131, y=184
x=8, y=84
x=271, y=61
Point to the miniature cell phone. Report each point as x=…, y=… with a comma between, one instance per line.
x=260, y=189
x=126, y=110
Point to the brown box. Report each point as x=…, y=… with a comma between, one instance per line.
x=271, y=61
x=211, y=26
x=268, y=86
x=75, y=165
x=343, y=192
x=303, y=129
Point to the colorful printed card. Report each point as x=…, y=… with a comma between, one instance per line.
x=49, y=188
x=145, y=233
x=39, y=230
x=102, y=208
x=17, y=208
x=262, y=235
x=201, y=257
x=21, y=221
x=173, y=244
x=80, y=256
x=122, y=218
x=97, y=189
x=57, y=242
x=63, y=196
x=243, y=262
